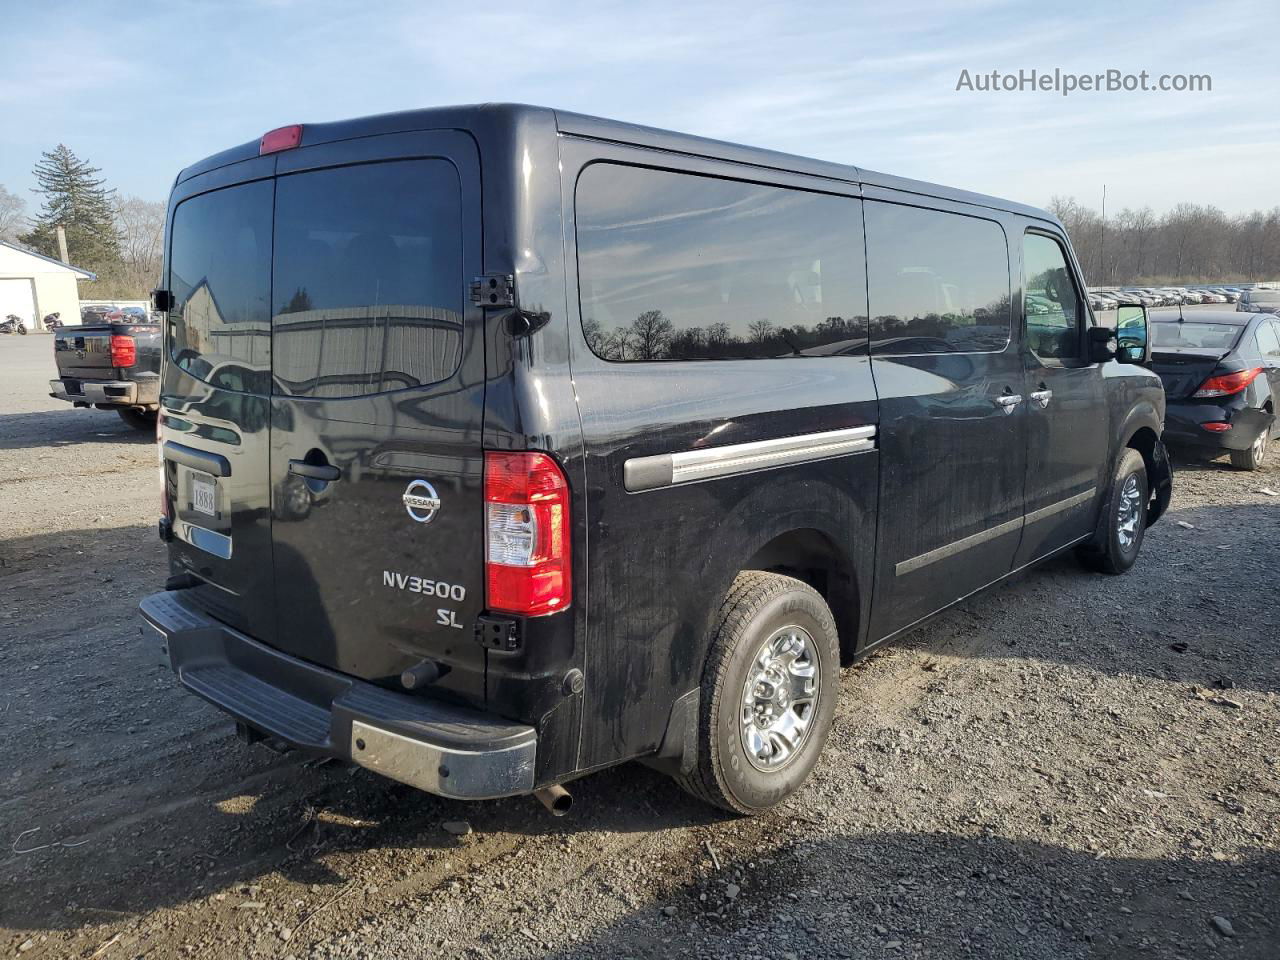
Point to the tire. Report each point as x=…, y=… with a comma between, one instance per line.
x=1256, y=454
x=22, y=331
x=1121, y=529
x=764, y=610
x=139, y=421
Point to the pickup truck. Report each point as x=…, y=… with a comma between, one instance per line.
x=111, y=365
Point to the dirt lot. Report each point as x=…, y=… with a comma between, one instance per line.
x=1070, y=766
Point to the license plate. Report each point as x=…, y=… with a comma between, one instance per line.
x=203, y=492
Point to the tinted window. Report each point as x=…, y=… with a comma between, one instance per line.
x=679, y=267
x=220, y=276
x=937, y=282
x=368, y=278
x=1208, y=336
x=1053, y=308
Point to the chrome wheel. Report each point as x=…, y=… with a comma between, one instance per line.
x=779, y=699
x=1130, y=512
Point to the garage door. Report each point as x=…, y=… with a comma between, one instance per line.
x=18, y=297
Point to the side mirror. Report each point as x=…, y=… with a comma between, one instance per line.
x=1102, y=344
x=1133, y=341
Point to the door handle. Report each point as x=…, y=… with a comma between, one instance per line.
x=314, y=471
x=1042, y=397
x=1008, y=402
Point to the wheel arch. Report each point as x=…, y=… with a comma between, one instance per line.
x=814, y=557
x=1142, y=433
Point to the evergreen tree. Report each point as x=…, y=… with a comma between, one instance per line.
x=76, y=200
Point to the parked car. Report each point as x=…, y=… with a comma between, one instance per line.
x=95, y=313
x=758, y=482
x=110, y=365
x=1221, y=375
x=1259, y=301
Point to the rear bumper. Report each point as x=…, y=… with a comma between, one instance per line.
x=1184, y=419
x=441, y=748
x=123, y=393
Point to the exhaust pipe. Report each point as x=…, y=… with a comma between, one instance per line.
x=556, y=799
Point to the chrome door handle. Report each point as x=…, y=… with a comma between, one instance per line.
x=1009, y=401
x=1042, y=397
x=325, y=472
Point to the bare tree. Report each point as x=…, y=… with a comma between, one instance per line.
x=13, y=211
x=1191, y=243
x=760, y=330
x=140, y=224
x=652, y=335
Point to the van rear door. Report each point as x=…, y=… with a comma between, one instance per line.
x=377, y=405
x=215, y=399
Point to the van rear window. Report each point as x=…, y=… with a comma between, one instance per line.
x=673, y=266
x=368, y=283
x=220, y=276
x=352, y=286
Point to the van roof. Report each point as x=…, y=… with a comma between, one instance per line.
x=491, y=115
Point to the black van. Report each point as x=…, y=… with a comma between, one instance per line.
x=502, y=444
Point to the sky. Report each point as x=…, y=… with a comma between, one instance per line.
x=142, y=89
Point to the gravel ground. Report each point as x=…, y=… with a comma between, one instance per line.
x=1069, y=766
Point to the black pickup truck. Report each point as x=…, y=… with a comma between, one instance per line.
x=112, y=366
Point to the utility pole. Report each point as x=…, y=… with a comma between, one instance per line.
x=62, y=245
x=1102, y=243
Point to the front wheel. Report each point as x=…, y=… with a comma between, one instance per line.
x=22, y=331
x=1253, y=457
x=768, y=694
x=1124, y=518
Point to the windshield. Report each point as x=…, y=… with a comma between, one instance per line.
x=1206, y=336
x=1263, y=296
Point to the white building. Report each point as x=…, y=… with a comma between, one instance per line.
x=33, y=286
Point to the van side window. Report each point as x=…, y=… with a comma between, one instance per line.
x=1052, y=304
x=938, y=282
x=673, y=266
x=368, y=283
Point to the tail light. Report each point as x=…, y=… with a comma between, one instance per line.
x=1226, y=384
x=527, y=556
x=1216, y=427
x=124, y=350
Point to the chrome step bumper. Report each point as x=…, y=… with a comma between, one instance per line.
x=444, y=749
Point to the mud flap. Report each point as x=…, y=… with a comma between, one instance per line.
x=1161, y=483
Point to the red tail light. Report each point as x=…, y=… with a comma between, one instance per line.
x=1215, y=427
x=281, y=138
x=527, y=556
x=1226, y=384
x=124, y=350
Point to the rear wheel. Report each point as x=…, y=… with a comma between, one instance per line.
x=1253, y=457
x=139, y=420
x=1124, y=518
x=768, y=694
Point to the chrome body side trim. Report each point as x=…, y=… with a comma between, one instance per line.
x=217, y=544
x=667, y=469
x=957, y=546
x=982, y=536
x=1061, y=505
